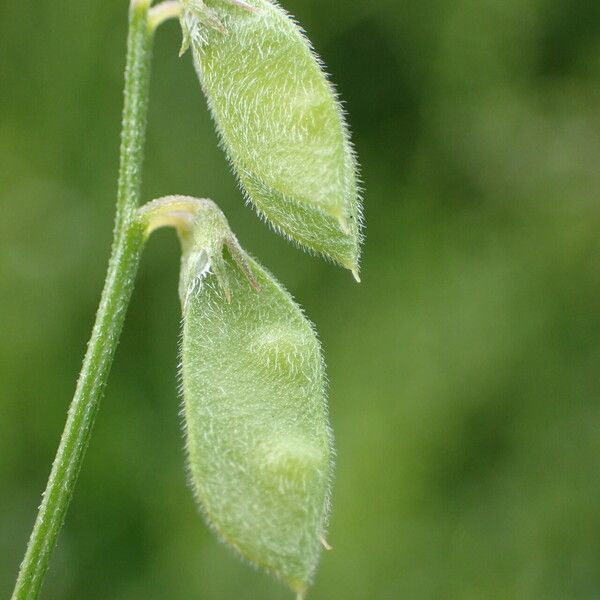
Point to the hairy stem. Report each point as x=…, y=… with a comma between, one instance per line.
x=126, y=250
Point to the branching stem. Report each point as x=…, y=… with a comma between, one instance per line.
x=126, y=250
x=169, y=9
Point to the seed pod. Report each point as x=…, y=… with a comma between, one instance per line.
x=279, y=121
x=258, y=438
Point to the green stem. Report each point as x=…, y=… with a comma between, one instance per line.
x=126, y=250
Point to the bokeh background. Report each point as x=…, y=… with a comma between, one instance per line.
x=465, y=369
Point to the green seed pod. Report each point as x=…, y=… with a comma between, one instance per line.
x=279, y=121
x=258, y=438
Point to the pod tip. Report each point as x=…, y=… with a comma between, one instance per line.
x=325, y=544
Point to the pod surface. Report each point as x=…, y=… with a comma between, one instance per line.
x=258, y=439
x=280, y=124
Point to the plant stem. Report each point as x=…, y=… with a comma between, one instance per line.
x=126, y=250
x=169, y=9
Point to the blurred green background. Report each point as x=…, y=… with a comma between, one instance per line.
x=465, y=369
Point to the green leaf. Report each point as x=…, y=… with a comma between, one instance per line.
x=280, y=122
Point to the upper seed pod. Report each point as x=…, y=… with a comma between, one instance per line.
x=258, y=437
x=279, y=121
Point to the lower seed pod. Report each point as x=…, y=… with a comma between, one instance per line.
x=257, y=433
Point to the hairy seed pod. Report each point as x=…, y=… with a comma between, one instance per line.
x=258, y=438
x=279, y=121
